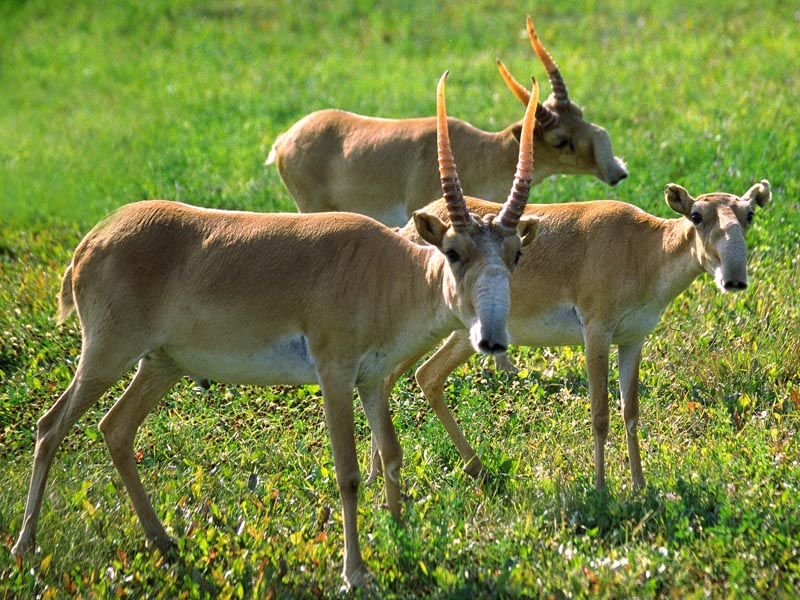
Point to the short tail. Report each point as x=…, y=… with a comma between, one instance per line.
x=66, y=301
x=273, y=153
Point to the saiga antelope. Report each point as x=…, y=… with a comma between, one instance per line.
x=384, y=168
x=331, y=299
x=602, y=273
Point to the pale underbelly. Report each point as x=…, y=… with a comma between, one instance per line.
x=391, y=214
x=563, y=326
x=286, y=361
x=557, y=327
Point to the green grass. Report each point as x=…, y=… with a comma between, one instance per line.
x=106, y=103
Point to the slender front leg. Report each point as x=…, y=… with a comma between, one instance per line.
x=374, y=399
x=337, y=382
x=598, y=341
x=431, y=377
x=630, y=355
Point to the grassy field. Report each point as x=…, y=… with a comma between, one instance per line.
x=103, y=103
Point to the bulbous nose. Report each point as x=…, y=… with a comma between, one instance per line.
x=734, y=285
x=617, y=179
x=491, y=347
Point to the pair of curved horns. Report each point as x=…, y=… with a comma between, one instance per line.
x=457, y=209
x=546, y=117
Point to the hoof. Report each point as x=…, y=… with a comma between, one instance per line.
x=360, y=579
x=474, y=468
x=23, y=547
x=167, y=545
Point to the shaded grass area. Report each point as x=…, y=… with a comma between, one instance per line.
x=105, y=103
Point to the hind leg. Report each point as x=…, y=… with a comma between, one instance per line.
x=96, y=372
x=155, y=376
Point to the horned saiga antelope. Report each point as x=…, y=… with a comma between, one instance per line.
x=331, y=299
x=602, y=273
x=332, y=160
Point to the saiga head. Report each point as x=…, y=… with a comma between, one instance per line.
x=480, y=253
x=721, y=222
x=578, y=146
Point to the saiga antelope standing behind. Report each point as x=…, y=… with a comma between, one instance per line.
x=333, y=299
x=597, y=274
x=384, y=168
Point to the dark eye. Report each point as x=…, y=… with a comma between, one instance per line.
x=452, y=256
x=750, y=216
x=696, y=218
x=517, y=257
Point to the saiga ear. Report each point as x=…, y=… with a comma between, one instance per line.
x=430, y=227
x=759, y=193
x=678, y=199
x=527, y=228
x=516, y=131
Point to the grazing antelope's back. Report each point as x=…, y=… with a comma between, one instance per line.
x=385, y=168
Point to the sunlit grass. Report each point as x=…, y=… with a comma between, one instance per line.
x=105, y=103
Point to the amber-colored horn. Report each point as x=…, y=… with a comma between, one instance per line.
x=515, y=204
x=519, y=90
x=451, y=186
x=546, y=117
x=556, y=81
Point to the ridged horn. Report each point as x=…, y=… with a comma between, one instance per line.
x=556, y=81
x=451, y=186
x=546, y=117
x=515, y=204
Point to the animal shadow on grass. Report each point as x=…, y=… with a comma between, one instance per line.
x=425, y=577
x=183, y=568
x=186, y=568
x=678, y=513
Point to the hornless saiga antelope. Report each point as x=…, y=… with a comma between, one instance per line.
x=602, y=273
x=331, y=299
x=384, y=168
